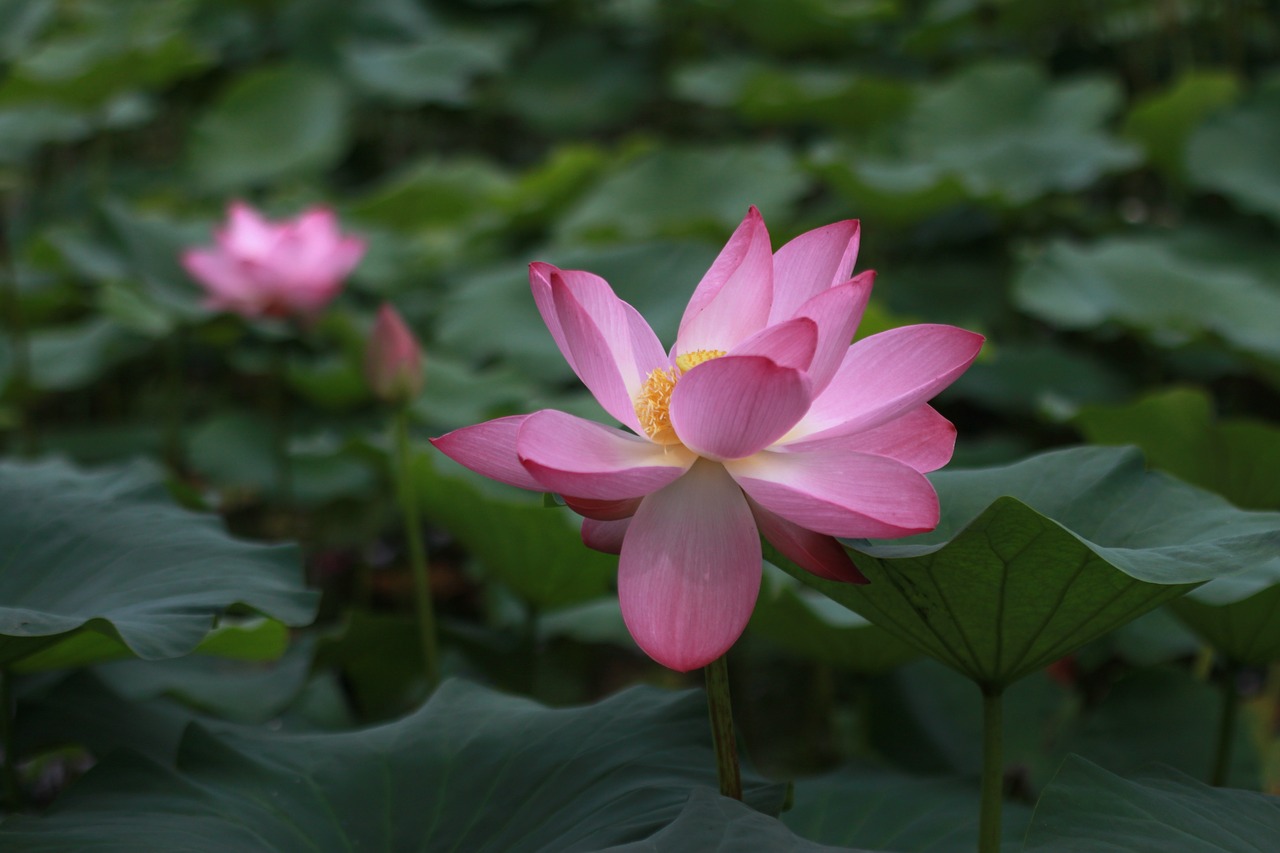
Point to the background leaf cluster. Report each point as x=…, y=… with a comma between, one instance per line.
x=1092, y=186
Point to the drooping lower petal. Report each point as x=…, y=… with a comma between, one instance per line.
x=840, y=493
x=605, y=536
x=489, y=448
x=733, y=406
x=811, y=263
x=732, y=301
x=814, y=552
x=575, y=456
x=886, y=375
x=689, y=572
x=921, y=438
x=602, y=510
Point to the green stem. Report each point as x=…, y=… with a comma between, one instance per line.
x=1226, y=727
x=16, y=326
x=992, y=770
x=720, y=707
x=175, y=403
x=282, y=423
x=417, y=554
x=12, y=787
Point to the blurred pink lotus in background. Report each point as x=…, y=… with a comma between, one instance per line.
x=393, y=358
x=761, y=420
x=260, y=268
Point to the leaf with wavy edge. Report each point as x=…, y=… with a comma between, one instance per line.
x=1034, y=559
x=471, y=770
x=108, y=551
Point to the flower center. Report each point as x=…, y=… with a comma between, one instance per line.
x=653, y=403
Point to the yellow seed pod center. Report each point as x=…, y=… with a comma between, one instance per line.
x=653, y=403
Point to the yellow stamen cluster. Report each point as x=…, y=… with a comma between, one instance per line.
x=689, y=360
x=653, y=403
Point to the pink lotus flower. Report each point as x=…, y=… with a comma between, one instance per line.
x=260, y=268
x=761, y=420
x=393, y=358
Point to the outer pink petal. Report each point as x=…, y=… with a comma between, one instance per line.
x=689, y=572
x=820, y=554
x=227, y=282
x=490, y=449
x=346, y=255
x=811, y=263
x=605, y=536
x=790, y=344
x=607, y=343
x=840, y=493
x=247, y=234
x=837, y=311
x=317, y=226
x=921, y=438
x=734, y=406
x=602, y=510
x=888, y=374
x=575, y=456
x=732, y=301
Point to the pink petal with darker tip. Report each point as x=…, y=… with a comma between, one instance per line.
x=837, y=312
x=489, y=448
x=605, y=536
x=811, y=263
x=732, y=301
x=612, y=348
x=574, y=456
x=602, y=510
x=921, y=438
x=734, y=406
x=840, y=493
x=790, y=344
x=815, y=552
x=886, y=375
x=689, y=572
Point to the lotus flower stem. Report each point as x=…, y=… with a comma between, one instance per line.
x=1226, y=726
x=16, y=327
x=417, y=554
x=721, y=708
x=280, y=427
x=992, y=769
x=12, y=788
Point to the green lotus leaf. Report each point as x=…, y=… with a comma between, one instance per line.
x=471, y=770
x=1240, y=460
x=1176, y=429
x=1228, y=154
x=1032, y=560
x=270, y=123
x=814, y=627
x=1174, y=288
x=1085, y=809
x=107, y=551
x=883, y=808
x=676, y=191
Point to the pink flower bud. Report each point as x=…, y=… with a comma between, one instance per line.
x=393, y=359
x=259, y=268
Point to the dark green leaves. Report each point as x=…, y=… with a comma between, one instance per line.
x=1032, y=560
x=242, y=140
x=1087, y=810
x=471, y=770
x=108, y=552
x=1232, y=153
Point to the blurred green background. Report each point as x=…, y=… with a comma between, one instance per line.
x=1094, y=185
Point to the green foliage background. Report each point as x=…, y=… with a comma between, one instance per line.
x=1094, y=186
